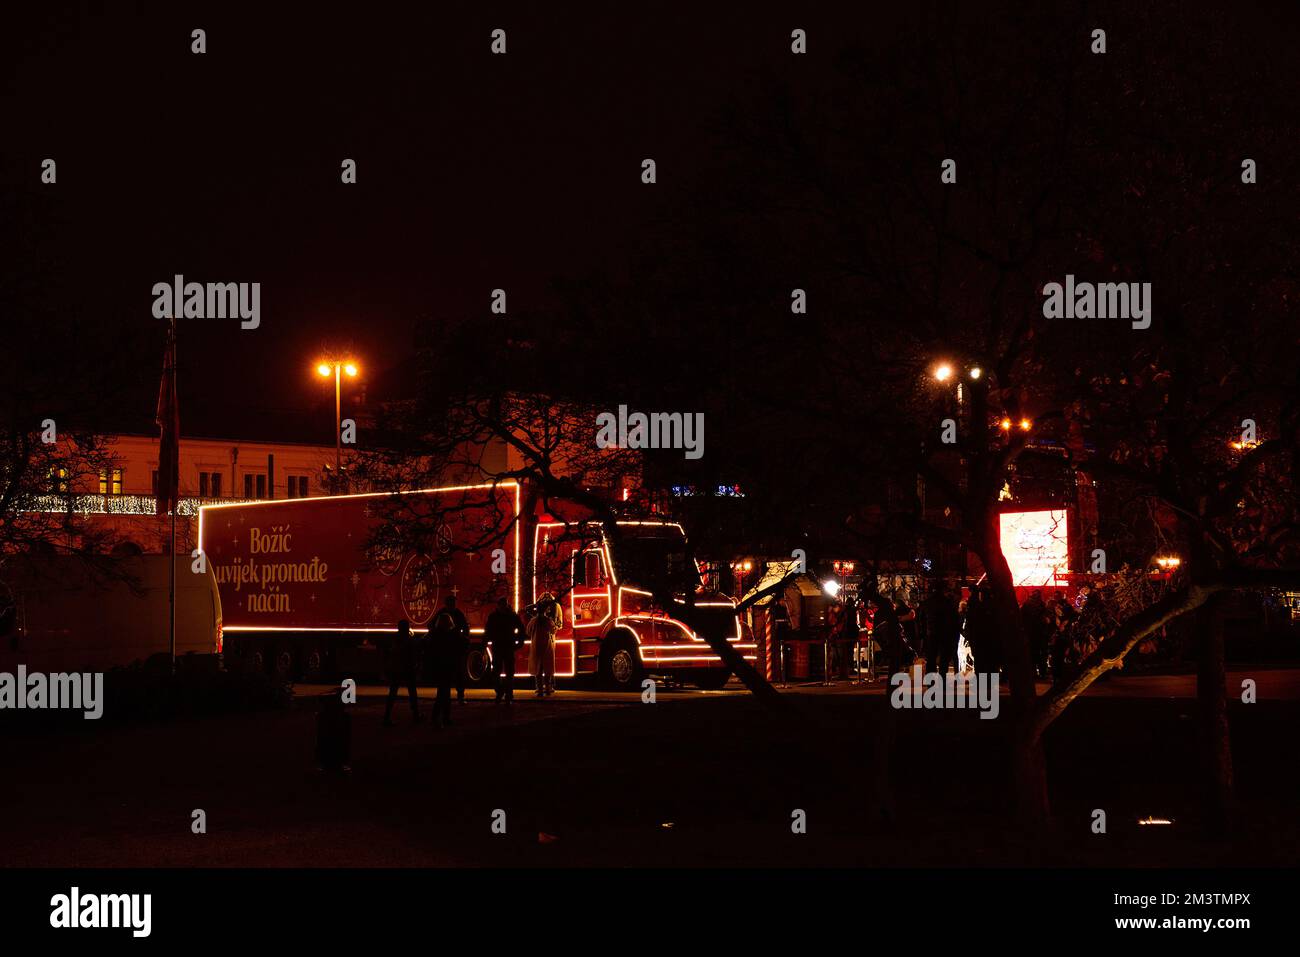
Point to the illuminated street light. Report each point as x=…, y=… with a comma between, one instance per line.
x=1025, y=425
x=943, y=372
x=1005, y=425
x=338, y=367
x=976, y=372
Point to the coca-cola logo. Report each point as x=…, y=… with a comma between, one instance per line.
x=420, y=587
x=386, y=558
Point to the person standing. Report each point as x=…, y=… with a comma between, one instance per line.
x=980, y=632
x=547, y=619
x=448, y=644
x=848, y=636
x=887, y=631
x=401, y=671
x=942, y=628
x=906, y=617
x=779, y=613
x=1065, y=619
x=1094, y=625
x=450, y=624
x=831, y=637
x=1034, y=620
x=505, y=634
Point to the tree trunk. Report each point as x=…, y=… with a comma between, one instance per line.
x=1212, y=705
x=1029, y=779
x=734, y=661
x=1028, y=762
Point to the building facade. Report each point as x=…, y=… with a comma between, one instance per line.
x=120, y=501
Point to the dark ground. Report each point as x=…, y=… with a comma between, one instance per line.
x=607, y=775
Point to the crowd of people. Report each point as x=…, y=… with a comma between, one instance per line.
x=441, y=656
x=1061, y=634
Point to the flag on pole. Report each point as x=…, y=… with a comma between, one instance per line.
x=169, y=422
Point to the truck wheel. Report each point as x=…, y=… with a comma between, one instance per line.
x=282, y=663
x=313, y=663
x=476, y=666
x=253, y=660
x=712, y=679
x=620, y=664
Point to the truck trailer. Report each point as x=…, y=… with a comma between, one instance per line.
x=314, y=587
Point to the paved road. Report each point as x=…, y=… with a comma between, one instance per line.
x=606, y=774
x=1271, y=683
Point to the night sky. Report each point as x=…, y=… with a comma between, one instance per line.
x=474, y=171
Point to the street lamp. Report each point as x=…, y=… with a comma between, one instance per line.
x=943, y=372
x=339, y=367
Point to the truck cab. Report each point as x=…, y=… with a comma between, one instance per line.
x=634, y=604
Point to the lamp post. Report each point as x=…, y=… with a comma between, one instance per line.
x=946, y=372
x=339, y=367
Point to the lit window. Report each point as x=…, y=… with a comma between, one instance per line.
x=110, y=481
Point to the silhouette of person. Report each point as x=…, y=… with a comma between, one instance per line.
x=942, y=628
x=906, y=617
x=505, y=634
x=448, y=645
x=981, y=634
x=1038, y=630
x=401, y=671
x=450, y=624
x=779, y=612
x=847, y=637
x=887, y=631
x=547, y=619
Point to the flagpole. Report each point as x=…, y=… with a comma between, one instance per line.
x=171, y=624
x=171, y=632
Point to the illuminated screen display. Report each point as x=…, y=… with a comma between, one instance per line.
x=1036, y=546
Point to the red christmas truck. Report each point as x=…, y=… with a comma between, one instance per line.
x=312, y=586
